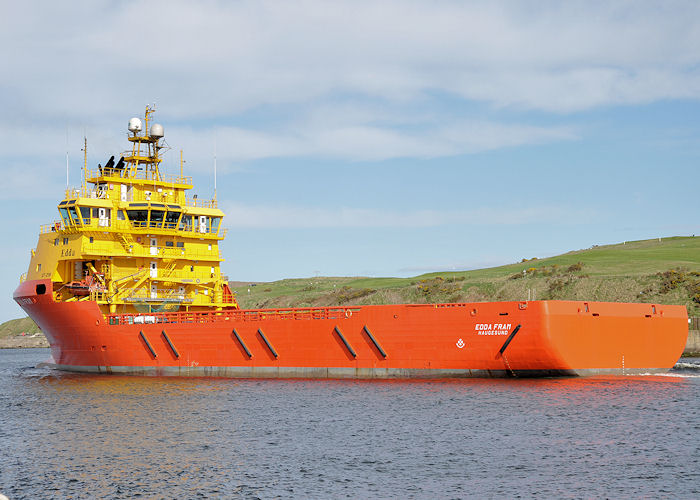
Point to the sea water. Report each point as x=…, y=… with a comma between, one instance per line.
x=68, y=435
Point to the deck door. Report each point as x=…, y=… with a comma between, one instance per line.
x=102, y=213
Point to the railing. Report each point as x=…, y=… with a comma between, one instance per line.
x=88, y=223
x=196, y=202
x=185, y=275
x=54, y=227
x=125, y=226
x=323, y=313
x=168, y=226
x=147, y=174
x=23, y=277
x=164, y=275
x=87, y=193
x=98, y=296
x=173, y=252
x=159, y=295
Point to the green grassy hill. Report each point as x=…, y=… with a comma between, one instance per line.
x=665, y=271
x=17, y=326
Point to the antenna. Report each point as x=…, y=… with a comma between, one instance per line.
x=85, y=160
x=67, y=170
x=215, y=169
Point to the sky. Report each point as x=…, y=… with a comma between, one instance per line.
x=373, y=138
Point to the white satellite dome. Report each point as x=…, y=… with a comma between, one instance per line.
x=135, y=125
x=156, y=130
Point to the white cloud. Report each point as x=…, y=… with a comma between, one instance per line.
x=285, y=216
x=362, y=140
x=216, y=58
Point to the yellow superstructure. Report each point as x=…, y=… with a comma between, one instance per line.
x=132, y=240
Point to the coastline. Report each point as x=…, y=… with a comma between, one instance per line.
x=24, y=341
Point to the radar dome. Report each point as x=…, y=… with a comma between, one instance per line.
x=157, y=130
x=135, y=125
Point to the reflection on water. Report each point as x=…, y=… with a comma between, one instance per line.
x=119, y=436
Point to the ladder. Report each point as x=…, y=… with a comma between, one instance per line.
x=126, y=241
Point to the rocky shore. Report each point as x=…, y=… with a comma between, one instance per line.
x=23, y=341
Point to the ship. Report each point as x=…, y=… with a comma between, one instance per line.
x=128, y=280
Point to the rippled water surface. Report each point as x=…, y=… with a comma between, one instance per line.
x=85, y=436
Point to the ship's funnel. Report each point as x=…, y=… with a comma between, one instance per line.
x=156, y=130
x=135, y=125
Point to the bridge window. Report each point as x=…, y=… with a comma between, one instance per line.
x=65, y=216
x=171, y=219
x=186, y=223
x=138, y=217
x=85, y=212
x=74, y=215
x=215, y=221
x=156, y=218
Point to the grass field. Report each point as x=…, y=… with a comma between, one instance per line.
x=17, y=326
x=658, y=271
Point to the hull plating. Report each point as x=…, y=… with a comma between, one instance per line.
x=554, y=338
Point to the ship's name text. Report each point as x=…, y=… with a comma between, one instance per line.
x=492, y=328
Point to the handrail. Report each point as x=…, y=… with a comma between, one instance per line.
x=125, y=227
x=87, y=193
x=145, y=251
x=148, y=175
x=164, y=275
x=321, y=313
x=196, y=202
x=155, y=295
x=54, y=227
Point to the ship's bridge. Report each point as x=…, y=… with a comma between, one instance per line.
x=100, y=214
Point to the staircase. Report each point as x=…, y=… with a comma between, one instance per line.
x=169, y=270
x=126, y=241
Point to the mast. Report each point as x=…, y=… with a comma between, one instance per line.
x=84, y=162
x=67, y=179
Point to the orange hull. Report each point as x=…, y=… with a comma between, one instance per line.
x=538, y=338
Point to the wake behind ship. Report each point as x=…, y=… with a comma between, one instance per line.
x=129, y=281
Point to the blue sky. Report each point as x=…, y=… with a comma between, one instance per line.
x=383, y=138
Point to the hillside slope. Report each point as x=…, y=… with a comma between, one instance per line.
x=661, y=271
